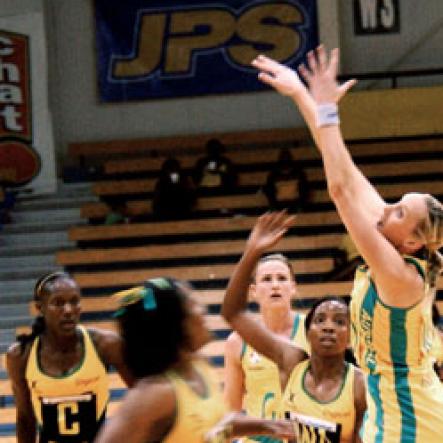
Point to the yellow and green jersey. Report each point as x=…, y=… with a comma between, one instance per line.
x=320, y=422
x=262, y=379
x=394, y=348
x=196, y=414
x=69, y=408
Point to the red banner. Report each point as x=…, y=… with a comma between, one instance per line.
x=19, y=163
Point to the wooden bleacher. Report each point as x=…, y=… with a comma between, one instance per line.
x=258, y=200
x=196, y=143
x=97, y=308
x=243, y=157
x=186, y=250
x=198, y=226
x=380, y=161
x=258, y=178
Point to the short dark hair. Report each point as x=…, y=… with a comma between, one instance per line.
x=153, y=338
x=320, y=301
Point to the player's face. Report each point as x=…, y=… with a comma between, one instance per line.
x=400, y=220
x=196, y=325
x=274, y=285
x=61, y=308
x=328, y=332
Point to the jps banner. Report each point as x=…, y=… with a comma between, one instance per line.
x=26, y=143
x=171, y=48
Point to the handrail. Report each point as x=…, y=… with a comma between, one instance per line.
x=392, y=75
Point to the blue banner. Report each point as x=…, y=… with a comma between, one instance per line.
x=149, y=49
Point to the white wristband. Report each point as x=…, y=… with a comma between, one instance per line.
x=327, y=115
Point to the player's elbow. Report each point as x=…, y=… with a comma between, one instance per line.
x=336, y=190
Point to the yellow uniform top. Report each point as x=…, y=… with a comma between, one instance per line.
x=331, y=421
x=69, y=408
x=196, y=414
x=394, y=347
x=262, y=378
x=437, y=347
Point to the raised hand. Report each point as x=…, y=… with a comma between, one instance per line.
x=268, y=230
x=283, y=79
x=321, y=76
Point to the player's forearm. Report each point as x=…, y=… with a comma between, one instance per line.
x=344, y=179
x=236, y=297
x=243, y=425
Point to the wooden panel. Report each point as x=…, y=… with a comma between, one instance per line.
x=139, y=207
x=392, y=112
x=243, y=157
x=215, y=296
x=225, y=224
x=188, y=249
x=185, y=142
x=258, y=178
x=206, y=272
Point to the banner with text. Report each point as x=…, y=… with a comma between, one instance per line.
x=26, y=142
x=149, y=49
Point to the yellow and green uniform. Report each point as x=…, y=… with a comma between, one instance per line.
x=69, y=408
x=196, y=414
x=318, y=421
x=262, y=379
x=394, y=348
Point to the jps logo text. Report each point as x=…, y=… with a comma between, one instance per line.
x=168, y=43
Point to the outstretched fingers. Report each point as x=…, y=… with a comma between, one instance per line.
x=305, y=72
x=322, y=57
x=334, y=60
x=266, y=64
x=281, y=221
x=345, y=87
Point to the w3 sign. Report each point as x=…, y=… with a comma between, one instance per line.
x=155, y=49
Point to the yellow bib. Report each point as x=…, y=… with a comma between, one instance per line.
x=71, y=407
x=321, y=422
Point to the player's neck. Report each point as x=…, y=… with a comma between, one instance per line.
x=323, y=368
x=61, y=343
x=278, y=320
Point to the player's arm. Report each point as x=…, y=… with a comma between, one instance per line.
x=25, y=420
x=358, y=203
x=234, y=375
x=109, y=345
x=267, y=231
x=146, y=415
x=360, y=402
x=239, y=425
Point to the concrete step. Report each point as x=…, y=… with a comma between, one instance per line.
x=34, y=272
x=43, y=215
x=7, y=337
x=14, y=310
x=17, y=297
x=36, y=249
x=15, y=321
x=7, y=263
x=37, y=226
x=12, y=286
x=36, y=238
x=55, y=202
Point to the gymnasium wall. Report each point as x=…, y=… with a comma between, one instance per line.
x=79, y=117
